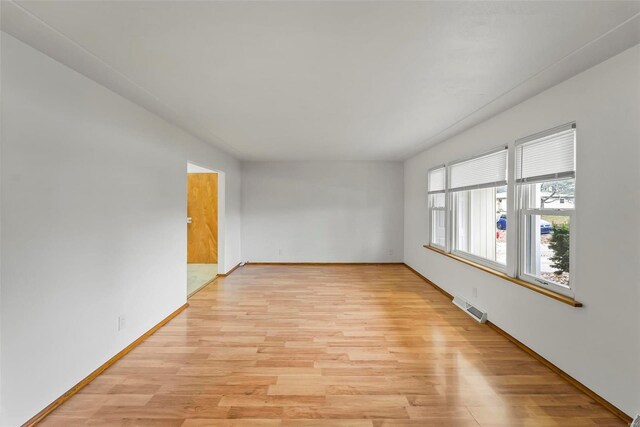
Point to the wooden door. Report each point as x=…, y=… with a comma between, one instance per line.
x=202, y=208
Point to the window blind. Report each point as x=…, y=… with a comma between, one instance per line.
x=547, y=156
x=489, y=170
x=436, y=180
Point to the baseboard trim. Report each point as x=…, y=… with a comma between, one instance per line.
x=230, y=271
x=76, y=388
x=577, y=384
x=325, y=263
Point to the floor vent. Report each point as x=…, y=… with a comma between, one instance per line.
x=471, y=310
x=636, y=421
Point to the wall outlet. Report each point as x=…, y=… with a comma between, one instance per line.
x=279, y=251
x=475, y=292
x=121, y=322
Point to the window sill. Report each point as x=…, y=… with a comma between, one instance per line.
x=546, y=292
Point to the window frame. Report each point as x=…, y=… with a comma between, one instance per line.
x=527, y=243
x=452, y=231
x=524, y=209
x=518, y=207
x=431, y=209
x=468, y=255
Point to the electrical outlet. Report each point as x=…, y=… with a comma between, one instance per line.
x=121, y=322
x=279, y=251
x=475, y=292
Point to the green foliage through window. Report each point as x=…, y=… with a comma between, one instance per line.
x=559, y=244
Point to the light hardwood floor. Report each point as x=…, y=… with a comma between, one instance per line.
x=327, y=346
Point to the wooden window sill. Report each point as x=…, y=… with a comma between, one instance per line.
x=546, y=292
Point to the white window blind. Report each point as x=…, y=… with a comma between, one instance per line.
x=436, y=180
x=547, y=156
x=489, y=170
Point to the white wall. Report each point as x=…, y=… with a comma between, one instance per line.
x=322, y=211
x=599, y=344
x=93, y=225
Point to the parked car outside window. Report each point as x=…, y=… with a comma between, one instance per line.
x=545, y=226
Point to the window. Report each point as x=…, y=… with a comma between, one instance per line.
x=545, y=177
x=437, y=209
x=478, y=195
x=470, y=212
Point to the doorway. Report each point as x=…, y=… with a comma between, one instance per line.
x=202, y=227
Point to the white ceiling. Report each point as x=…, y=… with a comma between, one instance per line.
x=326, y=80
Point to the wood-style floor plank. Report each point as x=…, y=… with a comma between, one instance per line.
x=360, y=346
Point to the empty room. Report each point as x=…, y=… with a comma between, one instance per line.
x=320, y=213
